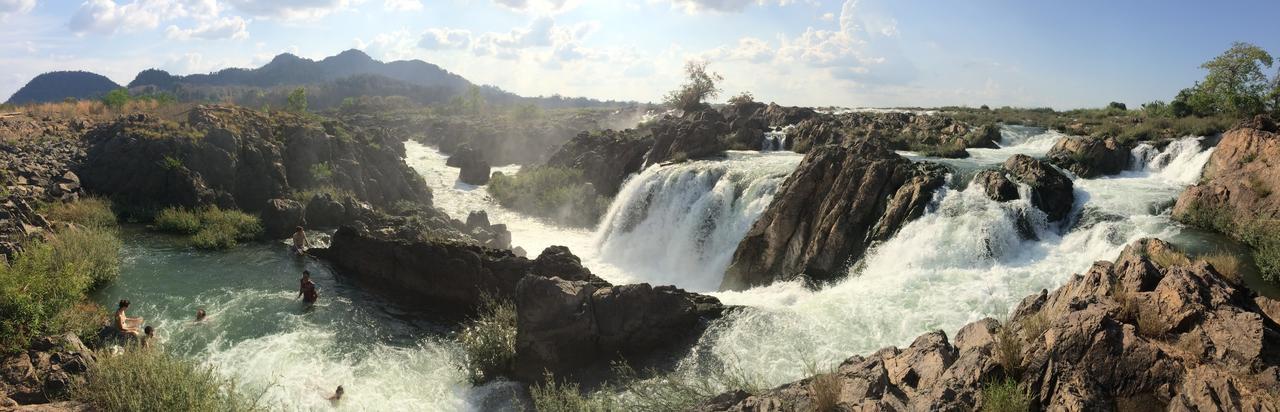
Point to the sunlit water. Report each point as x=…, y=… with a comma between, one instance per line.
x=260, y=334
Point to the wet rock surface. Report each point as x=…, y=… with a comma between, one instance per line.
x=837, y=203
x=1051, y=191
x=1130, y=332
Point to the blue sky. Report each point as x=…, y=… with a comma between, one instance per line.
x=796, y=52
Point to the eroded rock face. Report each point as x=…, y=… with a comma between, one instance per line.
x=281, y=217
x=932, y=134
x=696, y=134
x=239, y=158
x=836, y=204
x=35, y=167
x=1241, y=180
x=564, y=326
x=1051, y=191
x=447, y=276
x=997, y=186
x=605, y=158
x=1132, y=332
x=46, y=371
x=1090, y=157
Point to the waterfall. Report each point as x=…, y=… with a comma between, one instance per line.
x=776, y=139
x=680, y=224
x=1179, y=162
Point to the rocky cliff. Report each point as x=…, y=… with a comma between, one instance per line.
x=930, y=134
x=36, y=159
x=605, y=158
x=1241, y=182
x=239, y=158
x=839, y=201
x=1137, y=334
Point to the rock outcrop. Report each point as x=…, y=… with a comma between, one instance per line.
x=1090, y=157
x=45, y=372
x=280, y=217
x=1134, y=333
x=447, y=276
x=997, y=186
x=1051, y=191
x=34, y=169
x=1241, y=182
x=605, y=158
x=929, y=134
x=837, y=203
x=474, y=167
x=564, y=326
x=696, y=134
x=239, y=158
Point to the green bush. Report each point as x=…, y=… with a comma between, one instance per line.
x=489, y=340
x=553, y=396
x=92, y=212
x=48, y=278
x=555, y=193
x=152, y=380
x=210, y=227
x=85, y=319
x=177, y=220
x=1004, y=396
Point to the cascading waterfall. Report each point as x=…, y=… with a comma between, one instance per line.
x=679, y=224
x=776, y=139
x=962, y=261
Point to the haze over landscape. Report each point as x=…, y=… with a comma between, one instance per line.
x=852, y=53
x=639, y=205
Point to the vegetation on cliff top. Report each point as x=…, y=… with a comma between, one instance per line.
x=559, y=194
x=489, y=340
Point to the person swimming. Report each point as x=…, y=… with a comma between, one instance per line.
x=200, y=315
x=307, y=289
x=149, y=334
x=124, y=323
x=299, y=241
x=337, y=396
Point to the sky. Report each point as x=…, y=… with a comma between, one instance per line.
x=876, y=53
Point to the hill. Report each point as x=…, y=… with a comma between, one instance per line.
x=56, y=86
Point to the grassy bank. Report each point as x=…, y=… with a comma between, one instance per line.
x=559, y=194
x=1261, y=235
x=151, y=380
x=45, y=286
x=210, y=227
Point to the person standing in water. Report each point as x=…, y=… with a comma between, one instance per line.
x=299, y=241
x=307, y=290
x=125, y=324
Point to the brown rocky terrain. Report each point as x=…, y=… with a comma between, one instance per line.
x=1147, y=332
x=1242, y=178
x=839, y=201
x=44, y=374
x=605, y=158
x=34, y=169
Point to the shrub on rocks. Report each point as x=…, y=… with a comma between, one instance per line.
x=209, y=228
x=94, y=212
x=155, y=380
x=489, y=340
x=555, y=193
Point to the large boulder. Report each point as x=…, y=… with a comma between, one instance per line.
x=1241, y=181
x=1051, y=191
x=837, y=203
x=997, y=186
x=564, y=326
x=1142, y=332
x=780, y=116
x=473, y=164
x=280, y=217
x=696, y=134
x=323, y=210
x=1090, y=157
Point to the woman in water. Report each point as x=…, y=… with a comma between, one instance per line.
x=307, y=290
x=299, y=241
x=125, y=324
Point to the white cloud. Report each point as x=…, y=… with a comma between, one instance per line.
x=15, y=7
x=863, y=48
x=402, y=5
x=233, y=27
x=748, y=49
x=539, y=7
x=290, y=9
x=828, y=16
x=696, y=6
x=107, y=17
x=440, y=39
x=397, y=45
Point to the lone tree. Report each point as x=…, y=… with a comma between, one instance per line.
x=701, y=86
x=298, y=100
x=1235, y=84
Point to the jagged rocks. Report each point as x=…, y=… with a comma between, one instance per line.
x=280, y=217
x=1090, y=157
x=239, y=158
x=696, y=134
x=829, y=211
x=323, y=210
x=929, y=134
x=1241, y=182
x=558, y=261
x=1051, y=191
x=779, y=116
x=46, y=371
x=997, y=186
x=564, y=326
x=605, y=158
x=491, y=235
x=1133, y=333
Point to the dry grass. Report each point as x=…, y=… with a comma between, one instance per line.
x=1169, y=258
x=1035, y=325
x=1151, y=324
x=96, y=110
x=1009, y=350
x=1128, y=305
x=1226, y=263
x=825, y=389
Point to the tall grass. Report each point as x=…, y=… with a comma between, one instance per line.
x=49, y=278
x=92, y=212
x=554, y=396
x=1004, y=396
x=1009, y=349
x=210, y=227
x=152, y=380
x=1260, y=234
x=489, y=339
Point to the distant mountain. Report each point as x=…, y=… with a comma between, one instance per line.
x=56, y=86
x=289, y=70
